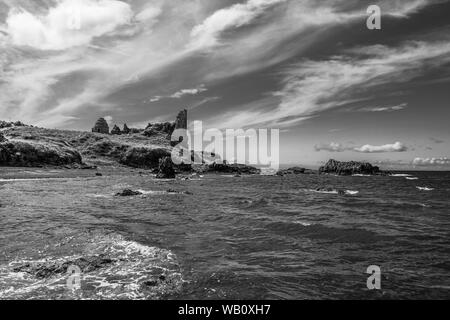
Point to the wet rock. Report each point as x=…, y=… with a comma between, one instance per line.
x=98, y=174
x=128, y=193
x=166, y=169
x=349, y=168
x=101, y=126
x=44, y=270
x=233, y=168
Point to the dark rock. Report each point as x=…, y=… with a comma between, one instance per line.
x=126, y=130
x=233, y=168
x=181, y=121
x=98, y=174
x=44, y=270
x=25, y=154
x=101, y=126
x=116, y=130
x=166, y=169
x=349, y=168
x=128, y=193
x=146, y=158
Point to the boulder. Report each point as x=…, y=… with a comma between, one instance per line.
x=116, y=130
x=349, y=168
x=166, y=169
x=101, y=126
x=142, y=157
x=128, y=193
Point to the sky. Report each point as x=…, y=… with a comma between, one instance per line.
x=311, y=69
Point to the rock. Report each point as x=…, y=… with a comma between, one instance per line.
x=166, y=169
x=44, y=270
x=2, y=138
x=165, y=128
x=233, y=168
x=126, y=130
x=32, y=154
x=349, y=168
x=128, y=193
x=145, y=158
x=98, y=174
x=181, y=121
x=101, y=126
x=116, y=130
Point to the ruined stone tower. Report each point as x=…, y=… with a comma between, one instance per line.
x=101, y=126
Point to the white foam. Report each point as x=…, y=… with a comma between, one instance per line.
x=412, y=178
x=351, y=192
x=425, y=188
x=400, y=175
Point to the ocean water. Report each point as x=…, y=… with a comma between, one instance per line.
x=253, y=237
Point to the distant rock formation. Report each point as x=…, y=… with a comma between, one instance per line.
x=101, y=126
x=166, y=169
x=181, y=121
x=128, y=193
x=5, y=124
x=295, y=170
x=232, y=168
x=349, y=168
x=116, y=130
x=126, y=130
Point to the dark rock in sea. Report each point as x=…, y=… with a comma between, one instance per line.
x=101, y=126
x=141, y=157
x=295, y=170
x=126, y=130
x=349, y=168
x=43, y=270
x=232, y=168
x=32, y=154
x=128, y=193
x=116, y=130
x=98, y=174
x=166, y=169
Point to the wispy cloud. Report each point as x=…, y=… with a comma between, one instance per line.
x=338, y=147
x=442, y=161
x=398, y=107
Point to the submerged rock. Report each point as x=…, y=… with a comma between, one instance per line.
x=166, y=169
x=128, y=193
x=349, y=168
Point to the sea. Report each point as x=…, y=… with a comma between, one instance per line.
x=225, y=237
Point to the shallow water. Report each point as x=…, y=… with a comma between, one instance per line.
x=259, y=237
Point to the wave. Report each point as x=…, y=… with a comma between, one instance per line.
x=111, y=268
x=400, y=175
x=424, y=188
x=412, y=178
x=334, y=191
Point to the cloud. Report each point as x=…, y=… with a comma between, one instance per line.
x=207, y=33
x=337, y=147
x=383, y=109
x=395, y=147
x=443, y=161
x=192, y=92
x=71, y=23
x=331, y=147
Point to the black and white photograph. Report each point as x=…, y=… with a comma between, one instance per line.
x=224, y=150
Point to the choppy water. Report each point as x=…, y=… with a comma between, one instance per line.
x=260, y=237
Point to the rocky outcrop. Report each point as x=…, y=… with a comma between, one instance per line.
x=181, y=121
x=32, y=154
x=166, y=169
x=232, y=168
x=128, y=193
x=349, y=168
x=116, y=130
x=295, y=171
x=126, y=130
x=101, y=126
x=159, y=128
x=142, y=157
